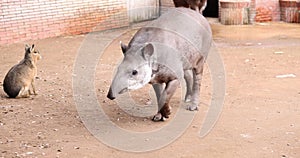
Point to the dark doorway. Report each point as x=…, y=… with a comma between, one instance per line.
x=212, y=9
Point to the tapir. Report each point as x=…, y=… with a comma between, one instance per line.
x=162, y=53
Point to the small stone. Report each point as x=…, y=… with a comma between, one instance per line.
x=286, y=76
x=245, y=135
x=29, y=153
x=10, y=140
x=279, y=52
x=290, y=133
x=248, y=44
x=43, y=146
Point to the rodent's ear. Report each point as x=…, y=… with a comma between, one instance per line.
x=27, y=47
x=123, y=47
x=32, y=48
x=148, y=51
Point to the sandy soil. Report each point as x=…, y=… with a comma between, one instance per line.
x=260, y=116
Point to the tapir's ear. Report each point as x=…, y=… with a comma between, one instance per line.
x=148, y=51
x=123, y=47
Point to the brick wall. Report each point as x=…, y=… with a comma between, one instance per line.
x=22, y=20
x=268, y=6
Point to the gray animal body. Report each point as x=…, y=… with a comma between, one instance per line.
x=198, y=5
x=161, y=54
x=20, y=77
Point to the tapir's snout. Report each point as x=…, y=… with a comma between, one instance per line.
x=110, y=95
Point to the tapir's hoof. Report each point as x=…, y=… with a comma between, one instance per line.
x=192, y=107
x=158, y=117
x=165, y=111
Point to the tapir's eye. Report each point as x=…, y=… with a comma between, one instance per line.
x=134, y=72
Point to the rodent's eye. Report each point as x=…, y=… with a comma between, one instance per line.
x=134, y=72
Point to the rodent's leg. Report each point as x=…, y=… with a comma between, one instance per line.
x=24, y=92
x=33, y=87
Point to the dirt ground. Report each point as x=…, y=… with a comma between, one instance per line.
x=260, y=116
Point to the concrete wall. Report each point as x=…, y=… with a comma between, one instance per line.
x=167, y=3
x=140, y=10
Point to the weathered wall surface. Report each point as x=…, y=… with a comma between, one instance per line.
x=267, y=9
x=22, y=20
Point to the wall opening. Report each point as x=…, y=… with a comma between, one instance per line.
x=212, y=9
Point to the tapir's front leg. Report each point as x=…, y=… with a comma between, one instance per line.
x=164, y=109
x=158, y=89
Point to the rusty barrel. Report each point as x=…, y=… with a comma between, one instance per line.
x=234, y=12
x=290, y=10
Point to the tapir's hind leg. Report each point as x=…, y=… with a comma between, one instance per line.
x=188, y=77
x=164, y=109
x=197, y=78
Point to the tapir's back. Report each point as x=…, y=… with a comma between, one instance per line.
x=181, y=28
